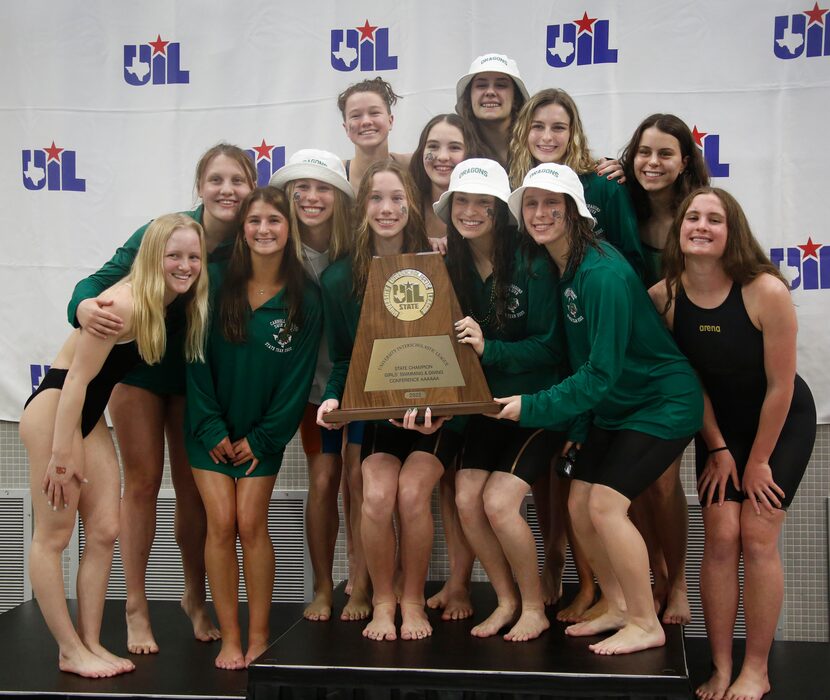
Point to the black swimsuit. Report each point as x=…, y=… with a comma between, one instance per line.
x=122, y=358
x=727, y=351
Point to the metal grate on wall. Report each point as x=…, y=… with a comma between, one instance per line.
x=165, y=578
x=15, y=540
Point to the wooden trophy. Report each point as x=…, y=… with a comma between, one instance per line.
x=405, y=352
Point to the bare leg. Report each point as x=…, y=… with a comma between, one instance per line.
x=469, y=496
x=554, y=558
x=359, y=605
x=503, y=497
x=719, y=591
x=252, y=498
x=219, y=496
x=322, y=522
x=643, y=517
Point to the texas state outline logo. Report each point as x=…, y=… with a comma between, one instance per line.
x=584, y=41
x=154, y=62
x=52, y=168
x=364, y=48
x=267, y=160
x=802, y=34
x=805, y=266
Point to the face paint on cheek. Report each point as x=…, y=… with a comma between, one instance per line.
x=491, y=213
x=296, y=198
x=429, y=157
x=404, y=210
x=556, y=215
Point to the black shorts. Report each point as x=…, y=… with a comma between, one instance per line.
x=504, y=446
x=627, y=461
x=400, y=443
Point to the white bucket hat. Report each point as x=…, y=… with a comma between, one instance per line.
x=474, y=176
x=490, y=63
x=553, y=178
x=313, y=164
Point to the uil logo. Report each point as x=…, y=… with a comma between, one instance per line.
x=281, y=336
x=803, y=34
x=365, y=48
x=584, y=40
x=574, y=315
x=709, y=143
x=37, y=372
x=267, y=160
x=805, y=266
x=408, y=295
x=158, y=61
x=52, y=168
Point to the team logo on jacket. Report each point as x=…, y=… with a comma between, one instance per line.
x=157, y=62
x=408, y=295
x=281, y=336
x=267, y=160
x=37, y=372
x=363, y=48
x=709, y=144
x=805, y=266
x=514, y=303
x=52, y=168
x=574, y=315
x=585, y=41
x=802, y=34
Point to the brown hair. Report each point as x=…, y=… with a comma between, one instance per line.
x=465, y=111
x=377, y=85
x=234, y=153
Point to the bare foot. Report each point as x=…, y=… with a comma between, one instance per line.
x=348, y=589
x=660, y=594
x=583, y=600
x=677, y=608
x=596, y=610
x=552, y=584
x=255, y=649
x=604, y=623
x=414, y=621
x=358, y=607
x=84, y=663
x=530, y=625
x=439, y=600
x=123, y=665
x=715, y=687
x=749, y=685
x=230, y=657
x=503, y=615
x=629, y=639
x=140, y=639
x=455, y=602
x=382, y=625
x=203, y=628
x=319, y=609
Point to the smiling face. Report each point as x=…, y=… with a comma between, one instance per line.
x=368, y=120
x=549, y=134
x=265, y=229
x=443, y=150
x=473, y=215
x=544, y=217
x=182, y=260
x=491, y=96
x=658, y=161
x=387, y=209
x=313, y=202
x=222, y=189
x=703, y=231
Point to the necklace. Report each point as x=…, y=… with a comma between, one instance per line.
x=491, y=307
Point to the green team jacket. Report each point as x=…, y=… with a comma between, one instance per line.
x=341, y=314
x=627, y=368
x=257, y=389
x=611, y=206
x=166, y=377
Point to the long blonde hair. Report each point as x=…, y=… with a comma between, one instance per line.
x=341, y=223
x=147, y=280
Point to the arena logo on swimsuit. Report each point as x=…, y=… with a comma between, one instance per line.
x=267, y=160
x=365, y=48
x=157, y=62
x=585, y=40
x=805, y=266
x=709, y=143
x=37, y=372
x=52, y=168
x=803, y=34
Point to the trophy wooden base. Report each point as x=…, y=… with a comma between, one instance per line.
x=438, y=410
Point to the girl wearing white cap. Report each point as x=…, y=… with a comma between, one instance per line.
x=644, y=397
x=489, y=97
x=514, y=326
x=400, y=467
x=320, y=199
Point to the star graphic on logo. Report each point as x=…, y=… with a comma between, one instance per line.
x=810, y=249
x=585, y=24
x=159, y=46
x=53, y=152
x=698, y=136
x=263, y=151
x=816, y=15
x=367, y=31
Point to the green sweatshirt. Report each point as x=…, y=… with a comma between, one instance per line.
x=611, y=206
x=257, y=389
x=166, y=377
x=627, y=368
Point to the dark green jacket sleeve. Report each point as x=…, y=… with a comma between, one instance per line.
x=608, y=304
x=289, y=398
x=624, y=232
x=340, y=327
x=203, y=409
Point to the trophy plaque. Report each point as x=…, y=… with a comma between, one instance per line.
x=405, y=353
